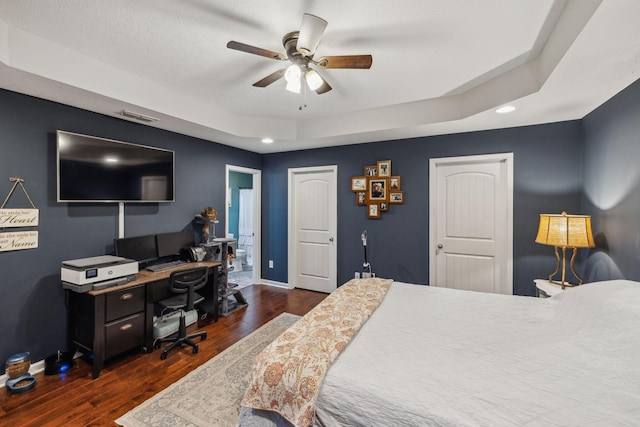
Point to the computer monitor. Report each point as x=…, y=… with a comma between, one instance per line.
x=141, y=248
x=170, y=244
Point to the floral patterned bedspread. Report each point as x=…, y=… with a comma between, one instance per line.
x=287, y=375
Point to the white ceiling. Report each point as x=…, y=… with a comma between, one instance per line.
x=439, y=66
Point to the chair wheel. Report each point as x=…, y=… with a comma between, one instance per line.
x=195, y=349
x=157, y=344
x=203, y=337
x=163, y=355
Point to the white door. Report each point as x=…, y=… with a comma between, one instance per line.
x=312, y=228
x=471, y=223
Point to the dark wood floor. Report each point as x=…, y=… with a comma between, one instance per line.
x=74, y=399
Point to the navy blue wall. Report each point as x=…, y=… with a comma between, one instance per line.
x=33, y=315
x=612, y=186
x=547, y=179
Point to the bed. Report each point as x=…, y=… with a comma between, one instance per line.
x=429, y=356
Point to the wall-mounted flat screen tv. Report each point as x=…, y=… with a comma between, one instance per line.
x=92, y=169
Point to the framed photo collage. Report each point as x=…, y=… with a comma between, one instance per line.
x=377, y=189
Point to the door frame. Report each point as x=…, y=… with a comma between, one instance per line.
x=257, y=214
x=291, y=244
x=507, y=159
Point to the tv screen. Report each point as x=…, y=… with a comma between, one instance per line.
x=92, y=169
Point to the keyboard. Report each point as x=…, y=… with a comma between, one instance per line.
x=165, y=266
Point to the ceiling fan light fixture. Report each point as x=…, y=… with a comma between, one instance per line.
x=294, y=86
x=292, y=76
x=311, y=32
x=300, y=49
x=292, y=73
x=313, y=79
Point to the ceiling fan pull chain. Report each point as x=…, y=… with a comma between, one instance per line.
x=303, y=97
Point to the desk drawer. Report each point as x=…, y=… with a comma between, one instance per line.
x=124, y=334
x=123, y=303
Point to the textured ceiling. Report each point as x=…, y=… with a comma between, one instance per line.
x=439, y=66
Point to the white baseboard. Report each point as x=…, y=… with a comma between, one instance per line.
x=274, y=283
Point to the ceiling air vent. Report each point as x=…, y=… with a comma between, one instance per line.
x=137, y=116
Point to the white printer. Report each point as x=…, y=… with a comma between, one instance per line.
x=86, y=274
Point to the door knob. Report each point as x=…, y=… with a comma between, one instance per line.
x=440, y=246
x=331, y=239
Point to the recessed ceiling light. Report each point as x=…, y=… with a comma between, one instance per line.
x=267, y=140
x=505, y=109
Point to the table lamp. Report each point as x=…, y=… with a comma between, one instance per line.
x=566, y=232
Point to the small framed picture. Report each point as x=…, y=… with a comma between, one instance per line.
x=373, y=211
x=384, y=168
x=396, y=197
x=394, y=183
x=371, y=171
x=377, y=189
x=361, y=198
x=358, y=183
x=384, y=206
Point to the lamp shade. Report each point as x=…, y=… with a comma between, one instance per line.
x=311, y=31
x=563, y=230
x=292, y=73
x=313, y=79
x=292, y=76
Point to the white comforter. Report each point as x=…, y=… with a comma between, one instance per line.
x=439, y=357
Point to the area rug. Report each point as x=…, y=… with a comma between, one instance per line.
x=210, y=395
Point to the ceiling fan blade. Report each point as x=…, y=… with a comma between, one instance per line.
x=276, y=75
x=311, y=31
x=256, y=50
x=345, y=61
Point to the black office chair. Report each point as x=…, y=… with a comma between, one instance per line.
x=184, y=283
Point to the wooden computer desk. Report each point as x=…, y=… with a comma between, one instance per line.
x=109, y=321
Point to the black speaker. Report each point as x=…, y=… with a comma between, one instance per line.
x=58, y=363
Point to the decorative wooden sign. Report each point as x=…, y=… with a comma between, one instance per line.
x=377, y=189
x=19, y=240
x=18, y=217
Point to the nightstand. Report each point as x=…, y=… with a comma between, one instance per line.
x=544, y=289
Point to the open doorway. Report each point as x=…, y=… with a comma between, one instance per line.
x=243, y=223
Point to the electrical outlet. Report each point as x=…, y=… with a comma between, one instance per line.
x=270, y=263
x=357, y=275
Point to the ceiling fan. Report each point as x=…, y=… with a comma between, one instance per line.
x=300, y=46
